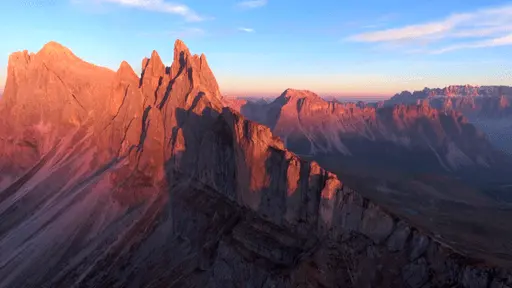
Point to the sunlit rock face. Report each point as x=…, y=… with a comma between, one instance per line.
x=111, y=179
x=403, y=137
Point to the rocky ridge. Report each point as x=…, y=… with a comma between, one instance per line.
x=115, y=180
x=487, y=107
x=455, y=91
x=309, y=125
x=473, y=101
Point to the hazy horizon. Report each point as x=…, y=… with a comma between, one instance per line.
x=326, y=97
x=334, y=49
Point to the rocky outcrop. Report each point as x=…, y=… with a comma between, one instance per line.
x=148, y=182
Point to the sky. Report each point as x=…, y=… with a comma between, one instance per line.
x=365, y=48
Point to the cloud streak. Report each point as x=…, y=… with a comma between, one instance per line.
x=481, y=28
x=251, y=4
x=160, y=6
x=247, y=30
x=500, y=41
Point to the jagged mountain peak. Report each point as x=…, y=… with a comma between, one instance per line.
x=180, y=46
x=200, y=70
x=291, y=93
x=126, y=70
x=187, y=72
x=168, y=188
x=153, y=67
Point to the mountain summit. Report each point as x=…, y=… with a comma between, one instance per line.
x=114, y=180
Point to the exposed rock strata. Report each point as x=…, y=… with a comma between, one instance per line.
x=410, y=134
x=149, y=182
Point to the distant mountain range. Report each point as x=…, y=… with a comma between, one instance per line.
x=411, y=134
x=401, y=155
x=473, y=101
x=453, y=91
x=487, y=107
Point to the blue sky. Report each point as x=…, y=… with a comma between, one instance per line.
x=363, y=48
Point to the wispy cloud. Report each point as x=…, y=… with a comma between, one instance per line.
x=160, y=6
x=499, y=41
x=248, y=30
x=481, y=28
x=250, y=4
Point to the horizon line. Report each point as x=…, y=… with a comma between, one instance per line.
x=325, y=94
x=276, y=94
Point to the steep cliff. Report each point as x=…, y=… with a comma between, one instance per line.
x=115, y=180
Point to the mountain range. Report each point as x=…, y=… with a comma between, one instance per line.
x=393, y=137
x=453, y=91
x=487, y=107
x=426, y=164
x=114, y=179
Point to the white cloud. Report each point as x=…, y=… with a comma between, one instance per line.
x=482, y=32
x=161, y=6
x=250, y=4
x=248, y=30
x=409, y=32
x=500, y=41
x=481, y=28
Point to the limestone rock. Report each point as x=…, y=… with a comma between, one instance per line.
x=127, y=181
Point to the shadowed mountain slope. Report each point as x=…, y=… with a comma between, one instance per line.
x=427, y=165
x=114, y=180
x=405, y=138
